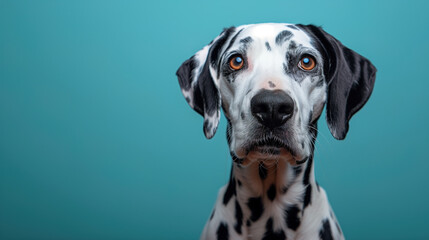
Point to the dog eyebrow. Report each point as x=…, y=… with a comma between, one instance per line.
x=283, y=36
x=246, y=41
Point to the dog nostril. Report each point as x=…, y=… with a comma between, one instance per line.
x=272, y=108
x=285, y=109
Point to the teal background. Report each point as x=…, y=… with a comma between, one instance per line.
x=97, y=142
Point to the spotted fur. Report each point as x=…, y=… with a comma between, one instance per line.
x=272, y=192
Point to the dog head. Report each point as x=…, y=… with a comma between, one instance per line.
x=272, y=81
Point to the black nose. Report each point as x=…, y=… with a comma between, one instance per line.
x=272, y=108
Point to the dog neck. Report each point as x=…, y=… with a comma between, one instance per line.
x=272, y=182
x=269, y=185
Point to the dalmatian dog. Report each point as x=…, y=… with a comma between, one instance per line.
x=272, y=82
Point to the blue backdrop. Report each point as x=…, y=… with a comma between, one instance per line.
x=97, y=142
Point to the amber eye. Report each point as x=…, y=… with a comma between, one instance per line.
x=307, y=63
x=236, y=62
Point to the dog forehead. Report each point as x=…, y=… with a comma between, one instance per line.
x=274, y=32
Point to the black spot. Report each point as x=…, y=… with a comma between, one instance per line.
x=268, y=46
x=306, y=179
x=222, y=232
x=248, y=223
x=188, y=99
x=270, y=234
x=271, y=193
x=306, y=183
x=246, y=41
x=230, y=191
x=307, y=195
x=325, y=231
x=272, y=85
x=238, y=217
x=318, y=187
x=242, y=115
x=211, y=216
x=262, y=171
x=292, y=45
x=292, y=26
x=256, y=208
x=239, y=183
x=284, y=189
x=286, y=69
x=292, y=219
x=302, y=144
x=283, y=36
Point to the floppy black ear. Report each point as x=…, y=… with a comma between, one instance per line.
x=350, y=79
x=197, y=81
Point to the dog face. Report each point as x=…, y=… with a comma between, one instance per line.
x=272, y=81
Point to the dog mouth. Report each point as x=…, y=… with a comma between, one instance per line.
x=269, y=145
x=271, y=148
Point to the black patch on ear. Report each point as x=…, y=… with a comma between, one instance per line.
x=292, y=219
x=229, y=192
x=222, y=231
x=214, y=54
x=325, y=232
x=267, y=45
x=350, y=79
x=283, y=36
x=271, y=193
x=184, y=74
x=256, y=208
x=232, y=41
x=205, y=97
x=270, y=234
x=238, y=217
